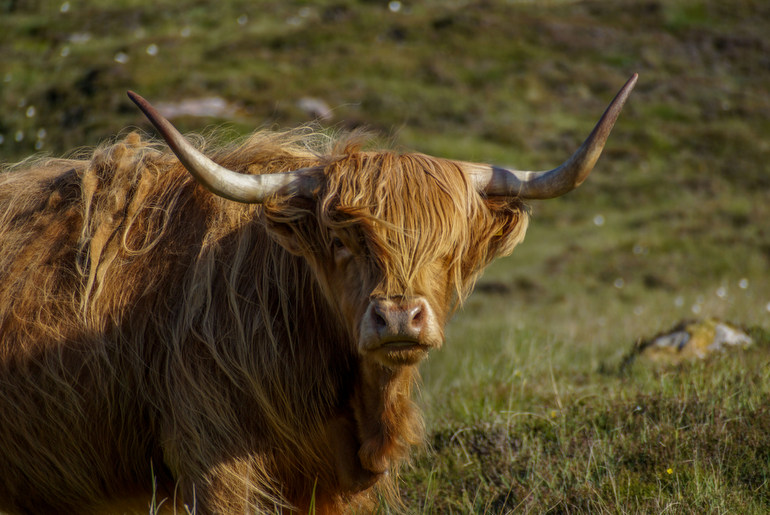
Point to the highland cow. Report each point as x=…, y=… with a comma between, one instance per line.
x=253, y=349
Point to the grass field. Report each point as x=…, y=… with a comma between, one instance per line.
x=526, y=409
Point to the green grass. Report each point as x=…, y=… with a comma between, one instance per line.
x=525, y=408
x=533, y=433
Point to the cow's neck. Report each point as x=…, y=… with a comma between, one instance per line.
x=386, y=418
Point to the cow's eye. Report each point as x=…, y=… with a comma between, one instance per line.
x=340, y=251
x=337, y=244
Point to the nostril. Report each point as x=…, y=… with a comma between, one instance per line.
x=416, y=317
x=378, y=318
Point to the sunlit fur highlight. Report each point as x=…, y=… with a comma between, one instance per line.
x=146, y=324
x=408, y=206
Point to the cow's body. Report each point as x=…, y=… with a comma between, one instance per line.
x=149, y=326
x=235, y=356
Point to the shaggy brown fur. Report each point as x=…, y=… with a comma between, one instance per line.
x=153, y=332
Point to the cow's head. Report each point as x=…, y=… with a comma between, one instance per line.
x=395, y=240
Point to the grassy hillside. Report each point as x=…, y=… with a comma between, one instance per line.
x=525, y=408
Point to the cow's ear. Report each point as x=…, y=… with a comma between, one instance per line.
x=290, y=235
x=509, y=221
x=285, y=237
x=291, y=224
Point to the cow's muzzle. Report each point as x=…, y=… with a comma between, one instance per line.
x=399, y=330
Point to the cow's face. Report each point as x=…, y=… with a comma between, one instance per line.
x=392, y=322
x=395, y=242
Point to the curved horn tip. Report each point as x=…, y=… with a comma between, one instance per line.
x=566, y=177
x=136, y=97
x=626, y=89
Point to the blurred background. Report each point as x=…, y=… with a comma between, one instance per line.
x=674, y=223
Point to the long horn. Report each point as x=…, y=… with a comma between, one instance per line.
x=221, y=181
x=496, y=181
